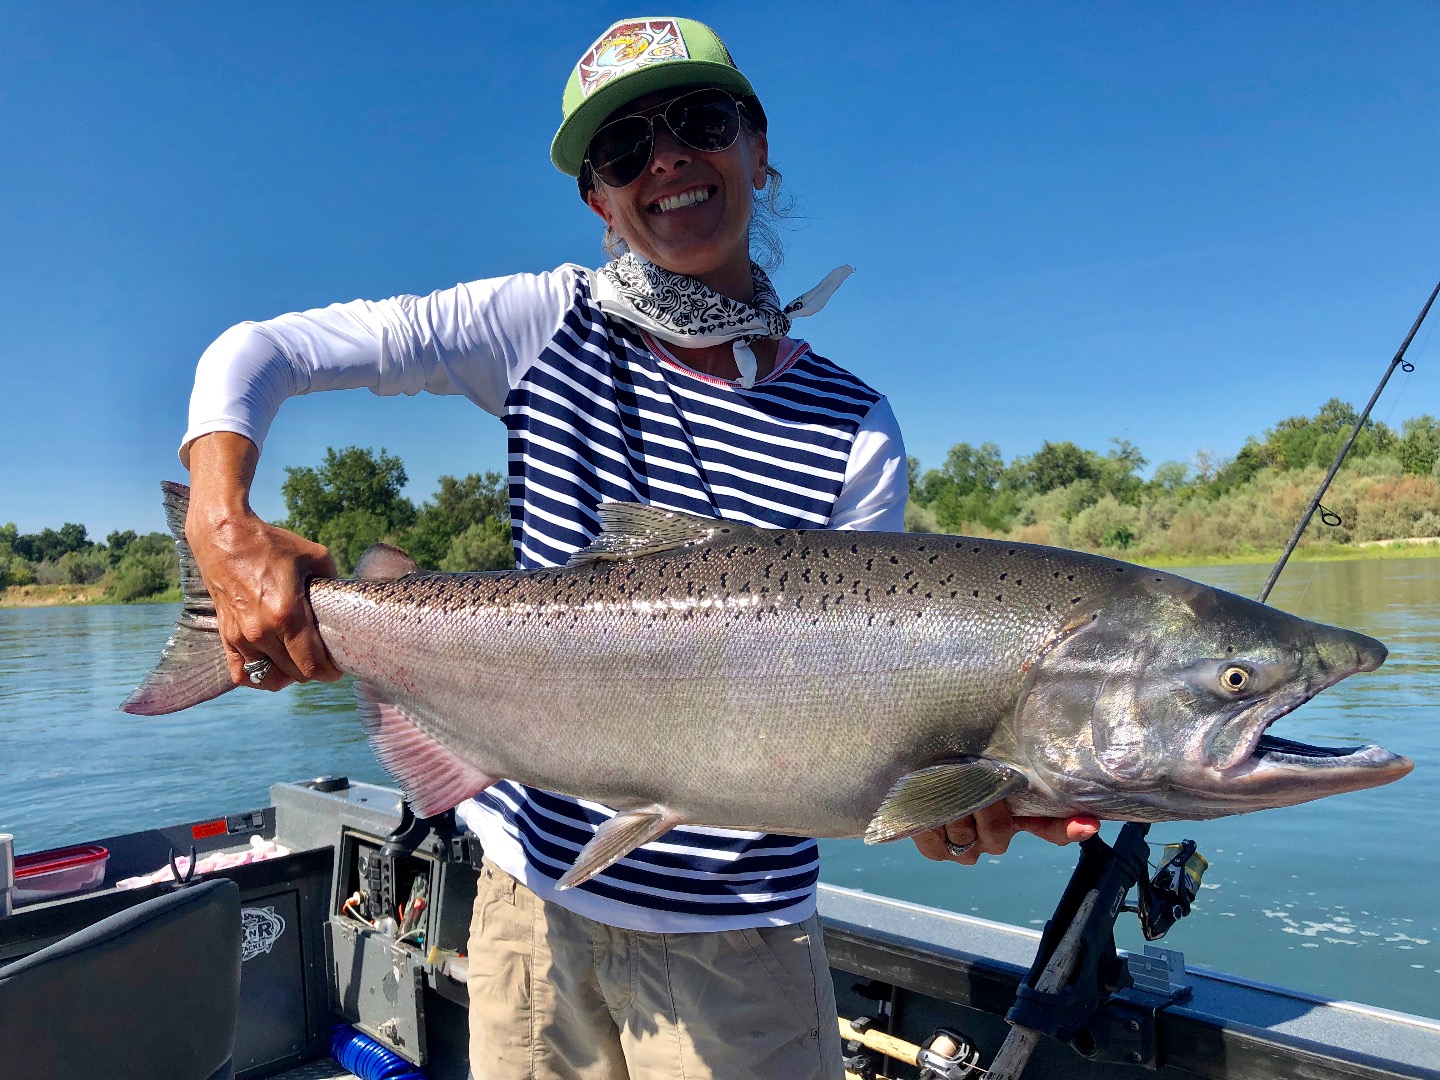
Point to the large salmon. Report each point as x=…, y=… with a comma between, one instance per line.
x=692, y=670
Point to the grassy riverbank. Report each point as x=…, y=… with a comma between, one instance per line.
x=24, y=596
x=1424, y=547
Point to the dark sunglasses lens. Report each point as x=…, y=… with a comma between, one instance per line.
x=705, y=120
x=620, y=151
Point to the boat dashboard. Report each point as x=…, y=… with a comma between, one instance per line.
x=354, y=914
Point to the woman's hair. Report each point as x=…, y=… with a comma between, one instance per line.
x=769, y=207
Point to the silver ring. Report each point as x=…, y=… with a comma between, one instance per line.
x=959, y=849
x=256, y=670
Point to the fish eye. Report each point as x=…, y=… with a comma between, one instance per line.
x=1235, y=678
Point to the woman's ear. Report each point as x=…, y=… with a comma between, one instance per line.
x=760, y=176
x=596, y=201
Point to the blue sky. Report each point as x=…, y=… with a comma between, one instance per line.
x=1171, y=223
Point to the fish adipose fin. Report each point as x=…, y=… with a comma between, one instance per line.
x=930, y=797
x=615, y=839
x=432, y=777
x=383, y=562
x=632, y=530
x=192, y=668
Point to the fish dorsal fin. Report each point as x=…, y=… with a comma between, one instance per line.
x=615, y=839
x=930, y=797
x=632, y=530
x=383, y=562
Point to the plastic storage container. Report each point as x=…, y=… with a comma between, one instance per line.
x=49, y=875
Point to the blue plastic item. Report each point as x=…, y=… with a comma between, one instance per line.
x=367, y=1058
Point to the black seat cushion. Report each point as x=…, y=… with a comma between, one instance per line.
x=147, y=993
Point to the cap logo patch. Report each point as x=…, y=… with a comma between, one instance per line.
x=627, y=46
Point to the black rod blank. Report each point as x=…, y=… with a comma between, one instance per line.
x=1344, y=450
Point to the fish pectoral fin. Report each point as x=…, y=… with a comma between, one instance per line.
x=433, y=778
x=632, y=530
x=930, y=797
x=615, y=839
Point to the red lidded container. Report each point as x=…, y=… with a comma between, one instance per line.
x=49, y=875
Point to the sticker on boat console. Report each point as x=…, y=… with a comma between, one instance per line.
x=260, y=929
x=208, y=828
x=239, y=823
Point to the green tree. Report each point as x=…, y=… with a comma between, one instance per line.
x=82, y=567
x=140, y=574
x=1419, y=446
x=485, y=545
x=1170, y=476
x=48, y=545
x=351, y=481
x=965, y=490
x=457, y=506
x=1240, y=470
x=1055, y=465
x=17, y=572
x=1118, y=472
x=1298, y=441
x=116, y=543
x=348, y=534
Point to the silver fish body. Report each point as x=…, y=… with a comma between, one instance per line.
x=835, y=683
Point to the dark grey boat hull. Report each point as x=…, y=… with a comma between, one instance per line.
x=916, y=968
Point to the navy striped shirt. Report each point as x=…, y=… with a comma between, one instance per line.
x=599, y=412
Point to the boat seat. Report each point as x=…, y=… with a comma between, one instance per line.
x=149, y=992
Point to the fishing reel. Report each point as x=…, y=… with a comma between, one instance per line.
x=1167, y=897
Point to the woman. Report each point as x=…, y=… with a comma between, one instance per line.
x=665, y=377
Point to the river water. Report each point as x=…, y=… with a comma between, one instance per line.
x=1339, y=897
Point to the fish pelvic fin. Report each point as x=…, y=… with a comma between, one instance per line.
x=433, y=778
x=192, y=667
x=632, y=530
x=930, y=797
x=615, y=839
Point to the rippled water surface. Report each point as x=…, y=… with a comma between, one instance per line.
x=1338, y=897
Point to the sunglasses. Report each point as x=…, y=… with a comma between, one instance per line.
x=706, y=120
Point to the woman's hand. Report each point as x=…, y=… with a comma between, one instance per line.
x=256, y=573
x=989, y=832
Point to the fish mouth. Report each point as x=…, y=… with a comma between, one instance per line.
x=1336, y=768
x=1271, y=750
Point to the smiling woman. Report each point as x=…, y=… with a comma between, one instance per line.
x=666, y=377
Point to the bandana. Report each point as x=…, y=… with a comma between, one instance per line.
x=683, y=311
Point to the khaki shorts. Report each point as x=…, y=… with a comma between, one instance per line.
x=556, y=996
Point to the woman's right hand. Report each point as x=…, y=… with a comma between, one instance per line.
x=256, y=573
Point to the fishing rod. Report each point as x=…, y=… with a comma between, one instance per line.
x=1326, y=515
x=1060, y=999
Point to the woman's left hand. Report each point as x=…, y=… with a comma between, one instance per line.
x=989, y=832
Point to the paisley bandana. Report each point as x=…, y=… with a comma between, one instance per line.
x=683, y=311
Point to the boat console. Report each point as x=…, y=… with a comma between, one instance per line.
x=359, y=916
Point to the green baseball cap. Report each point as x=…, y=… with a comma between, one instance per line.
x=633, y=58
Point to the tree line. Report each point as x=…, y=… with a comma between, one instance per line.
x=130, y=566
x=1062, y=494
x=1074, y=497
x=348, y=502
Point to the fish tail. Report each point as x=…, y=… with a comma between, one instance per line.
x=192, y=667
